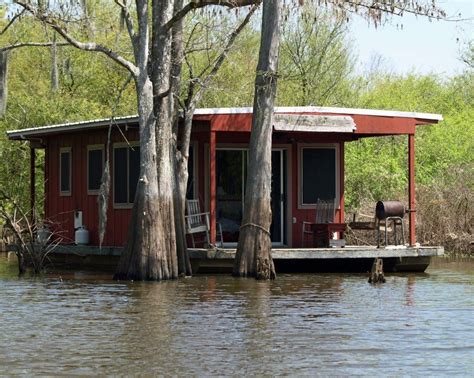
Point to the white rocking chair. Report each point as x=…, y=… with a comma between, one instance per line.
x=198, y=222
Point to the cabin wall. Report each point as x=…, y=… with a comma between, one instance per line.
x=60, y=209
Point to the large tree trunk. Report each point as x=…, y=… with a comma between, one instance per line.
x=150, y=253
x=181, y=184
x=161, y=70
x=182, y=175
x=180, y=160
x=3, y=82
x=253, y=258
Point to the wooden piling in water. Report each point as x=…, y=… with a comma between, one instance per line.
x=376, y=274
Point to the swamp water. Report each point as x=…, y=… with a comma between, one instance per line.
x=322, y=324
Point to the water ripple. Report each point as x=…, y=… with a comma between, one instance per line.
x=217, y=325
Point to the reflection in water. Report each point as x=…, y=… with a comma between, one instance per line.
x=326, y=324
x=410, y=290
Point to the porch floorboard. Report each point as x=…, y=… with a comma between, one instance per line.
x=348, y=252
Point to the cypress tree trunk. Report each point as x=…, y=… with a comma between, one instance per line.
x=3, y=82
x=182, y=175
x=150, y=252
x=253, y=257
x=180, y=159
x=194, y=95
x=181, y=183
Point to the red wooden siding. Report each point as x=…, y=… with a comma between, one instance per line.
x=60, y=209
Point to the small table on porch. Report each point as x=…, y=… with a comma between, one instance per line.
x=323, y=233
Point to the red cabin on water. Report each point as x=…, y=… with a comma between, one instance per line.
x=307, y=165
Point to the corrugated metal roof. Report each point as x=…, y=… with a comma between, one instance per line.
x=89, y=124
x=70, y=126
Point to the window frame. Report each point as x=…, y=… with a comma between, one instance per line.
x=65, y=193
x=94, y=147
x=301, y=148
x=122, y=205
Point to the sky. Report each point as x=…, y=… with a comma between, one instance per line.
x=421, y=46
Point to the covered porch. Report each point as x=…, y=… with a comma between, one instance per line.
x=308, y=151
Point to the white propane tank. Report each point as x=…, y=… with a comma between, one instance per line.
x=81, y=237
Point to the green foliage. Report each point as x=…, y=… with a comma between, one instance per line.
x=315, y=66
x=376, y=167
x=233, y=85
x=375, y=170
x=315, y=59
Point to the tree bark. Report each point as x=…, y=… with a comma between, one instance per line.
x=150, y=253
x=147, y=254
x=253, y=257
x=181, y=155
x=3, y=82
x=163, y=104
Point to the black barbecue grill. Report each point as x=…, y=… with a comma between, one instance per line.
x=386, y=212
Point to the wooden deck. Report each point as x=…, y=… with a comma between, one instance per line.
x=349, y=252
x=347, y=259
x=312, y=260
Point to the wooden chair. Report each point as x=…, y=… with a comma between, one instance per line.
x=325, y=211
x=198, y=222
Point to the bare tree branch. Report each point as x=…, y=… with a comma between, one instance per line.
x=86, y=46
x=15, y=17
x=194, y=97
x=192, y=5
x=32, y=44
x=129, y=22
x=221, y=58
x=142, y=42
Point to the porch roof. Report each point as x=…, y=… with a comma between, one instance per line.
x=239, y=119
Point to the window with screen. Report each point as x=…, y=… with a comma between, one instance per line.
x=318, y=174
x=65, y=171
x=95, y=167
x=126, y=172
